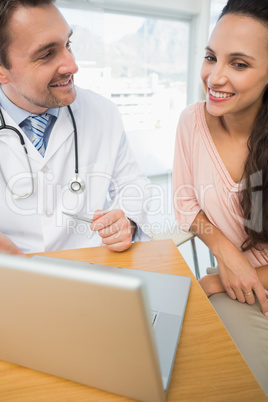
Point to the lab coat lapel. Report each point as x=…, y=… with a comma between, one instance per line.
x=10, y=138
x=62, y=129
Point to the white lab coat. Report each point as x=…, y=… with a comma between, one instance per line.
x=113, y=179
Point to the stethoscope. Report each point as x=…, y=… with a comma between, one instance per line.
x=75, y=185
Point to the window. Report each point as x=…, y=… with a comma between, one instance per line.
x=215, y=10
x=140, y=63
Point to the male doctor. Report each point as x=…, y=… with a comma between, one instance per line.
x=38, y=181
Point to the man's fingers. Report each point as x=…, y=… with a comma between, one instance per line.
x=114, y=228
x=120, y=227
x=103, y=219
x=119, y=247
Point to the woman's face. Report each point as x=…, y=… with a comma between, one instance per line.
x=235, y=68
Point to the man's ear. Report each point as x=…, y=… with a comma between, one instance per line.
x=3, y=75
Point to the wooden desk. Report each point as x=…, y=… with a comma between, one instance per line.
x=208, y=366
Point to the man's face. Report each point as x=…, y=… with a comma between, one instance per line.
x=42, y=64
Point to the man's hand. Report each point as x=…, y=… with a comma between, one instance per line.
x=115, y=229
x=8, y=247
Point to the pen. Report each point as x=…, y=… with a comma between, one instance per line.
x=80, y=217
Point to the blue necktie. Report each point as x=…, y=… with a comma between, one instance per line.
x=39, y=123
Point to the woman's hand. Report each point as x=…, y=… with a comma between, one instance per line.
x=212, y=284
x=239, y=278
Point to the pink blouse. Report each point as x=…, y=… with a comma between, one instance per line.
x=202, y=182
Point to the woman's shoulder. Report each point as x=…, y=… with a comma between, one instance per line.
x=193, y=112
x=191, y=119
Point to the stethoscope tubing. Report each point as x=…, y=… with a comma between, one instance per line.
x=76, y=185
x=75, y=140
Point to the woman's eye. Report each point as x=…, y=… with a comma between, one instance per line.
x=210, y=58
x=240, y=66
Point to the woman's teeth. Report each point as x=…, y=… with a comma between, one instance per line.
x=220, y=94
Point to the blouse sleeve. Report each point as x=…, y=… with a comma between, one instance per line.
x=186, y=206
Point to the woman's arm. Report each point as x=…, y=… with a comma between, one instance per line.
x=236, y=275
x=262, y=273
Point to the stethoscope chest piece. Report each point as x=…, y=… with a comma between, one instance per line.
x=76, y=185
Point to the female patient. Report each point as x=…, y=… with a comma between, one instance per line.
x=221, y=174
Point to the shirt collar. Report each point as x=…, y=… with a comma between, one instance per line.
x=18, y=114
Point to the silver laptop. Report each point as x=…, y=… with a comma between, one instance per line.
x=107, y=327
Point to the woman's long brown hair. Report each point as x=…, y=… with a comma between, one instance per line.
x=254, y=193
